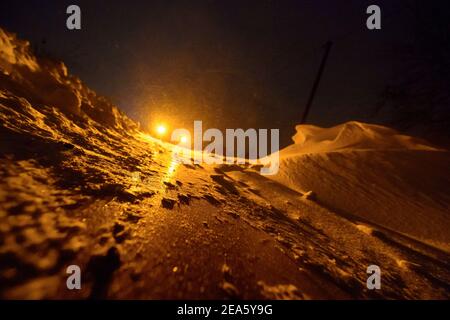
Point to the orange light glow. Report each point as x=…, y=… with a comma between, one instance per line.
x=161, y=130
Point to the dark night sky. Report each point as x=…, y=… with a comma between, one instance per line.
x=229, y=63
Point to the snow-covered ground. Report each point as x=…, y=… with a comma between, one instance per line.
x=81, y=184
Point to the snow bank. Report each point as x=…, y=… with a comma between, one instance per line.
x=15, y=52
x=373, y=173
x=47, y=83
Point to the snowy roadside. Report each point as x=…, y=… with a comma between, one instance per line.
x=80, y=184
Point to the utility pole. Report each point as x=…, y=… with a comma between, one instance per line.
x=328, y=46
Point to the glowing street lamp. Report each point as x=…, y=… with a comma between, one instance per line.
x=161, y=130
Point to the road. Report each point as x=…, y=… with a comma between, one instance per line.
x=142, y=225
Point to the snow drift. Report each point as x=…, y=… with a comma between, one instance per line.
x=375, y=174
x=351, y=136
